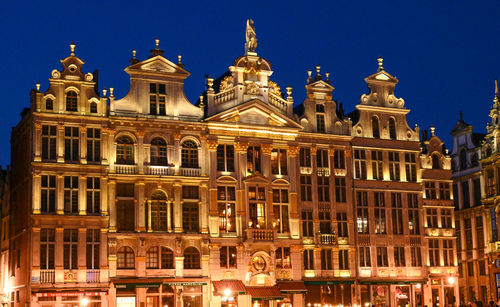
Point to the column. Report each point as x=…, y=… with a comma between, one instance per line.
x=82, y=252
x=202, y=156
x=169, y=216
x=104, y=196
x=139, y=207
x=176, y=153
x=140, y=157
x=177, y=207
x=148, y=206
x=265, y=162
x=106, y=142
x=103, y=255
x=314, y=185
x=59, y=194
x=82, y=195
x=213, y=214
x=83, y=145
x=35, y=247
x=203, y=207
x=240, y=149
x=179, y=266
x=112, y=205
x=37, y=142
x=60, y=143
x=36, y=192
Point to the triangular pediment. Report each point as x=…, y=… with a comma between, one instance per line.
x=256, y=177
x=320, y=85
x=158, y=64
x=382, y=76
x=255, y=112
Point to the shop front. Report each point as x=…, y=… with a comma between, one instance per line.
x=293, y=293
x=87, y=298
x=388, y=293
x=229, y=291
x=265, y=296
x=329, y=292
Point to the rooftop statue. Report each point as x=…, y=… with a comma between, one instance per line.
x=251, y=43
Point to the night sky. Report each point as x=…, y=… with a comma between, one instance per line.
x=446, y=54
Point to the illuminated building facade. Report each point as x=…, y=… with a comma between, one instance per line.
x=239, y=200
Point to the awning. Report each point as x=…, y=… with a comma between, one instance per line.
x=391, y=282
x=292, y=286
x=62, y=293
x=265, y=293
x=329, y=282
x=236, y=286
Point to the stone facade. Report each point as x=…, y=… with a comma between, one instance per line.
x=241, y=199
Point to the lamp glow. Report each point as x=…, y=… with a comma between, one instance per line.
x=227, y=292
x=85, y=301
x=451, y=280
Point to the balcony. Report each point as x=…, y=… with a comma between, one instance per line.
x=190, y=171
x=159, y=170
x=125, y=169
x=47, y=276
x=327, y=239
x=306, y=170
x=260, y=234
x=324, y=171
x=93, y=276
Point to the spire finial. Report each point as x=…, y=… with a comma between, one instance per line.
x=179, y=58
x=72, y=48
x=496, y=89
x=433, y=130
x=251, y=38
x=37, y=86
x=380, y=62
x=134, y=52
x=318, y=68
x=157, y=43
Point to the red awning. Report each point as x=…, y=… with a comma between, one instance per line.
x=291, y=286
x=236, y=286
x=265, y=293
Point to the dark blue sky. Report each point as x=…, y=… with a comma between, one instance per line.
x=445, y=54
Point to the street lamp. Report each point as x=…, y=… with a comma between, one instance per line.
x=451, y=280
x=227, y=293
x=85, y=302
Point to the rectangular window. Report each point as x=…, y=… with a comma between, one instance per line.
x=323, y=189
x=93, y=247
x=343, y=259
x=446, y=218
x=225, y=158
x=432, y=218
x=125, y=207
x=257, y=206
x=397, y=214
x=377, y=165
x=279, y=162
x=326, y=259
x=359, y=164
x=482, y=267
x=305, y=188
x=458, y=234
x=456, y=196
x=307, y=224
x=228, y=257
x=93, y=145
x=468, y=234
x=322, y=158
x=157, y=99
x=283, y=258
x=399, y=256
x=320, y=123
x=309, y=259
x=470, y=269
x=47, y=248
x=434, y=252
x=490, y=182
x=253, y=159
x=70, y=249
x=71, y=147
x=477, y=191
x=465, y=195
x=479, y=232
x=430, y=190
x=325, y=221
x=71, y=194
x=362, y=212
x=93, y=195
x=413, y=214
x=410, y=167
x=340, y=190
x=226, y=203
x=190, y=192
x=444, y=190
x=448, y=253
x=364, y=256
x=49, y=136
x=305, y=157
x=48, y=194
x=190, y=217
x=342, y=226
x=380, y=222
x=394, y=170
x=382, y=260
x=280, y=210
x=339, y=159
x=416, y=256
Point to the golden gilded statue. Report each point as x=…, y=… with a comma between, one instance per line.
x=251, y=43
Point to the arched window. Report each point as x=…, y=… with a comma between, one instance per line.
x=167, y=258
x=124, y=150
x=71, y=101
x=189, y=154
x=463, y=159
x=125, y=258
x=191, y=258
x=159, y=211
x=392, y=128
x=152, y=258
x=474, y=160
x=93, y=107
x=436, y=164
x=157, y=258
x=158, y=152
x=375, y=127
x=49, y=104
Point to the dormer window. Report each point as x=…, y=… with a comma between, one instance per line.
x=320, y=118
x=375, y=127
x=71, y=101
x=157, y=99
x=49, y=104
x=93, y=107
x=392, y=129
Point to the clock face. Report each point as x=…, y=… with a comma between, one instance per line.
x=259, y=263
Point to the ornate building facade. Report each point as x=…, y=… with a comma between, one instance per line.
x=239, y=200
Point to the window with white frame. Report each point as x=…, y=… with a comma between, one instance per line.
x=280, y=210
